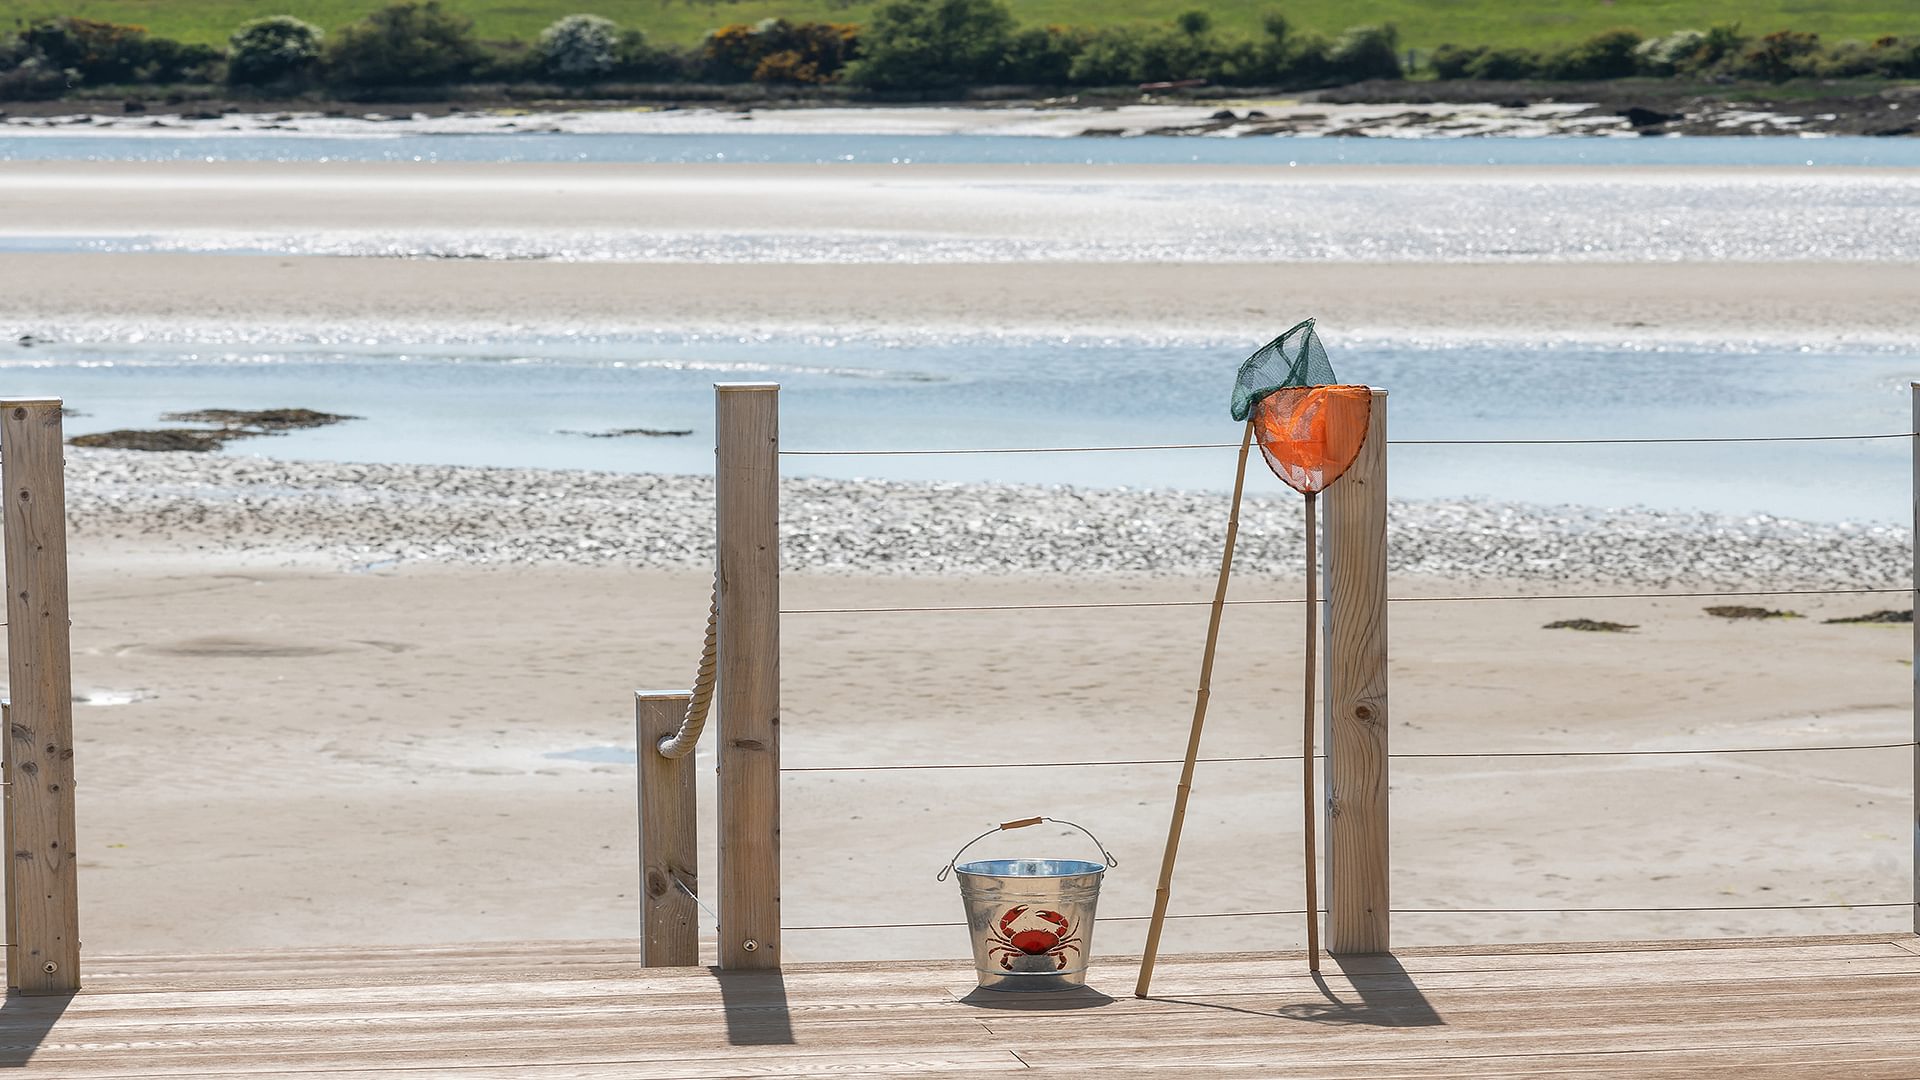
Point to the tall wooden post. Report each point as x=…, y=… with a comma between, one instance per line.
x=747, y=491
x=669, y=836
x=6, y=841
x=1356, y=698
x=43, y=908
x=1913, y=539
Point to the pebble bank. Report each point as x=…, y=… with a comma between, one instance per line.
x=358, y=515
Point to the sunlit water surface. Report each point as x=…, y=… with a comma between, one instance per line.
x=528, y=402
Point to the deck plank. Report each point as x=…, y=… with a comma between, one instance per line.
x=1776, y=1007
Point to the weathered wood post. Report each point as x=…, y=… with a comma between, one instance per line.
x=669, y=835
x=43, y=907
x=1356, y=698
x=747, y=491
x=1913, y=540
x=6, y=837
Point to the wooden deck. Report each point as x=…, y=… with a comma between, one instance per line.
x=1786, y=1007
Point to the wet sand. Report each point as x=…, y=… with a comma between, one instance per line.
x=1792, y=302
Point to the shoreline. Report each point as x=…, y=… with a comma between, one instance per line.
x=1446, y=110
x=378, y=516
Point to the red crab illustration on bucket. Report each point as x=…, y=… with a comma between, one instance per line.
x=1046, y=933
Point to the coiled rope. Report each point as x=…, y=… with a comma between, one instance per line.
x=681, y=742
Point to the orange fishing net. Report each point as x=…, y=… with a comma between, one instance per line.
x=1311, y=434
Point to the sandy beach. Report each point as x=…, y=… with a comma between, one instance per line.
x=86, y=296
x=333, y=704
x=403, y=727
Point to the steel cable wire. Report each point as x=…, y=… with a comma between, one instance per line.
x=1650, y=909
x=1704, y=751
x=1655, y=441
x=1105, y=606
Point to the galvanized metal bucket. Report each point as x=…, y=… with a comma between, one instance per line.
x=1031, y=920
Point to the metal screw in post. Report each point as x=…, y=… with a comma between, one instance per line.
x=749, y=944
x=50, y=967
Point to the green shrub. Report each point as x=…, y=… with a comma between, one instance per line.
x=1781, y=55
x=1110, y=57
x=778, y=51
x=1306, y=60
x=1717, y=50
x=579, y=47
x=1505, y=64
x=102, y=52
x=1606, y=55
x=1896, y=58
x=1664, y=55
x=935, y=43
x=26, y=74
x=96, y=51
x=271, y=49
x=1365, y=52
x=636, y=58
x=1137, y=54
x=1193, y=23
x=168, y=61
x=1043, y=55
x=1847, y=60
x=404, y=44
x=1452, y=61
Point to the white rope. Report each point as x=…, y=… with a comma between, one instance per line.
x=680, y=743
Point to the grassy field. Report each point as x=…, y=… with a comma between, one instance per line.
x=1423, y=23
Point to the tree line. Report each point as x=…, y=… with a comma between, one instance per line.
x=928, y=46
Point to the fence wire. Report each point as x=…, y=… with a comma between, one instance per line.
x=1284, y=601
x=1643, y=910
x=1703, y=751
x=1657, y=441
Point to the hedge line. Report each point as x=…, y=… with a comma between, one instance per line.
x=919, y=45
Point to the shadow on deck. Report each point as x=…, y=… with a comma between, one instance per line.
x=1379, y=993
x=1784, y=1007
x=25, y=1023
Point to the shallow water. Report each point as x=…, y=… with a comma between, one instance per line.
x=1363, y=216
x=945, y=149
x=518, y=402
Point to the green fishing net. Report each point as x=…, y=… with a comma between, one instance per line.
x=1295, y=358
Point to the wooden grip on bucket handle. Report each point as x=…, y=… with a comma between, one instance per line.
x=1022, y=823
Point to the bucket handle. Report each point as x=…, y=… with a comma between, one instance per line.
x=1021, y=824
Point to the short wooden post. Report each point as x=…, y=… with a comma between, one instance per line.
x=669, y=836
x=1913, y=540
x=1356, y=698
x=43, y=909
x=747, y=491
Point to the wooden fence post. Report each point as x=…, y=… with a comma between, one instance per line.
x=1913, y=540
x=1356, y=698
x=6, y=842
x=747, y=491
x=43, y=908
x=669, y=835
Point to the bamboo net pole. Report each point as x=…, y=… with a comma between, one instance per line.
x=1306, y=752
x=1164, y=891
